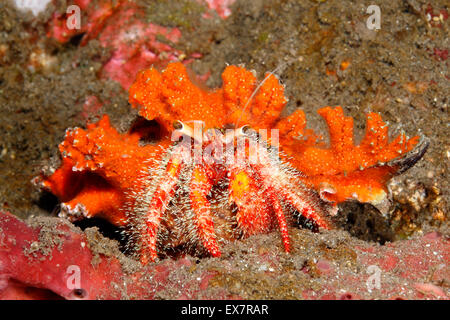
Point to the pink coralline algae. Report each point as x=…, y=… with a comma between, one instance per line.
x=31, y=272
x=222, y=7
x=120, y=26
x=38, y=263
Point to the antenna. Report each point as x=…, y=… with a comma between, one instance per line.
x=281, y=66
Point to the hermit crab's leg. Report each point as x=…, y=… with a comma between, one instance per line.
x=282, y=183
x=200, y=186
x=157, y=205
x=290, y=190
x=306, y=205
x=281, y=218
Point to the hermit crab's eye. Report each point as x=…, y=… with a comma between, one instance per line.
x=178, y=125
x=244, y=130
x=181, y=129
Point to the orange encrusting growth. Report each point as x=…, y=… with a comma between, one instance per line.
x=170, y=96
x=99, y=167
x=347, y=170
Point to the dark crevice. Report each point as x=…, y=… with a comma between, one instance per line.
x=48, y=202
x=364, y=221
x=305, y=223
x=76, y=39
x=150, y=131
x=19, y=290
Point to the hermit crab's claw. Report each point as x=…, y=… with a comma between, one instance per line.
x=254, y=213
x=283, y=182
x=265, y=190
x=257, y=205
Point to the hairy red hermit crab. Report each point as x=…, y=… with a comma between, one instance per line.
x=203, y=179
